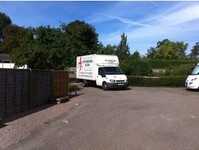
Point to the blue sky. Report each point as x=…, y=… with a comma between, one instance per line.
x=145, y=23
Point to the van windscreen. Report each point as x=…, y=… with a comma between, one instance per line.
x=111, y=70
x=196, y=70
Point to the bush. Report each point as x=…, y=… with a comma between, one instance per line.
x=136, y=67
x=170, y=81
x=181, y=70
x=144, y=67
x=162, y=63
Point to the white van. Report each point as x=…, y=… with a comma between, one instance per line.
x=103, y=70
x=192, y=81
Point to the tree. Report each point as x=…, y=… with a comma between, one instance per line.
x=151, y=52
x=136, y=65
x=48, y=49
x=167, y=49
x=13, y=37
x=40, y=48
x=17, y=42
x=123, y=49
x=4, y=21
x=81, y=39
x=108, y=49
x=195, y=51
x=135, y=56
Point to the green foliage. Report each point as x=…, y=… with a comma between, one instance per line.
x=40, y=48
x=134, y=65
x=123, y=49
x=81, y=39
x=140, y=66
x=151, y=52
x=57, y=48
x=135, y=56
x=108, y=49
x=171, y=81
x=13, y=37
x=164, y=63
x=48, y=49
x=4, y=21
x=195, y=51
x=21, y=47
x=167, y=49
x=180, y=70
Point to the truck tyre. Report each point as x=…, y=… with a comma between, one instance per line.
x=105, y=86
x=85, y=83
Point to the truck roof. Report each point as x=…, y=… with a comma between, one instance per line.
x=97, y=55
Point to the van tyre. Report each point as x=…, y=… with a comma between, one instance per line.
x=105, y=86
x=85, y=83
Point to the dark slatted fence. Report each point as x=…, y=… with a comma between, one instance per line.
x=22, y=90
x=60, y=83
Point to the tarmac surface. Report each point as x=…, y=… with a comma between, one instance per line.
x=141, y=118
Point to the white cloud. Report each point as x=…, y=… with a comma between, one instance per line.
x=177, y=23
x=127, y=21
x=184, y=15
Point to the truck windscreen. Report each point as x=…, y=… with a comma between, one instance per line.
x=111, y=70
x=196, y=70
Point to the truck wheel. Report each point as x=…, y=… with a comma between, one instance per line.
x=104, y=86
x=85, y=83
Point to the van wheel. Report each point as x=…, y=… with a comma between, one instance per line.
x=85, y=83
x=105, y=86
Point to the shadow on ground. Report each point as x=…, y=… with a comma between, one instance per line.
x=34, y=110
x=28, y=112
x=75, y=94
x=2, y=125
x=193, y=90
x=114, y=89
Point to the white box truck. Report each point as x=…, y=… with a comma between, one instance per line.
x=192, y=81
x=103, y=70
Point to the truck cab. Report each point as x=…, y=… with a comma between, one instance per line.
x=192, y=81
x=111, y=77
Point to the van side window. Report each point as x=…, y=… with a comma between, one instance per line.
x=100, y=71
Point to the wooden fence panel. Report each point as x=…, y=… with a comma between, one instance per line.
x=60, y=83
x=22, y=90
x=11, y=94
x=2, y=93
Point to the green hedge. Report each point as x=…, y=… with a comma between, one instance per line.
x=170, y=81
x=136, y=67
x=161, y=63
x=181, y=70
x=144, y=67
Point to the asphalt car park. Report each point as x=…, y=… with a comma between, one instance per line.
x=141, y=118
